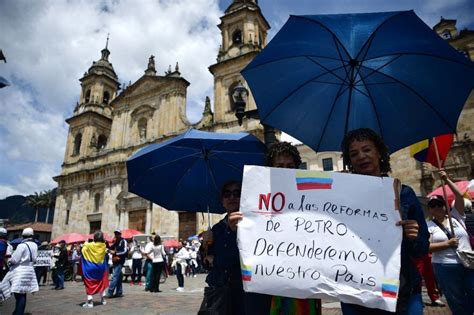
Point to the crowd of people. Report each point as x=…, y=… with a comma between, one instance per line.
x=427, y=244
x=428, y=250
x=93, y=263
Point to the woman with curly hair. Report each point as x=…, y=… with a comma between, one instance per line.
x=365, y=153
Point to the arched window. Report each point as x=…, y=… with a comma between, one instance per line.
x=88, y=96
x=96, y=202
x=237, y=37
x=106, y=97
x=101, y=142
x=77, y=144
x=231, y=99
x=142, y=128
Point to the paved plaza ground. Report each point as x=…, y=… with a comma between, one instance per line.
x=137, y=301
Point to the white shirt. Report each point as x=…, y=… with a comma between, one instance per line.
x=21, y=256
x=136, y=252
x=449, y=256
x=156, y=253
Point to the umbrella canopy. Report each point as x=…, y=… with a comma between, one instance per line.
x=463, y=187
x=70, y=238
x=187, y=172
x=324, y=75
x=129, y=233
x=171, y=243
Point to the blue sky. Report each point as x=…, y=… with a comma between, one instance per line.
x=50, y=44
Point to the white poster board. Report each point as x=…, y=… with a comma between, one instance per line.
x=308, y=234
x=43, y=258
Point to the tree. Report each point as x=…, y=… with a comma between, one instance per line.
x=48, y=201
x=36, y=202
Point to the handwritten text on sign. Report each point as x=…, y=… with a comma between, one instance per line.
x=308, y=234
x=44, y=258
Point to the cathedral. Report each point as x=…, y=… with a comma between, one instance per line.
x=110, y=123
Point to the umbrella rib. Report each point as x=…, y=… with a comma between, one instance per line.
x=227, y=162
x=163, y=164
x=419, y=96
x=175, y=160
x=290, y=57
x=330, y=113
x=374, y=71
x=424, y=54
x=374, y=107
x=293, y=92
x=329, y=70
x=182, y=176
x=339, y=53
x=326, y=28
x=372, y=36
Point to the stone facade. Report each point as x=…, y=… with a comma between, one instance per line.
x=109, y=124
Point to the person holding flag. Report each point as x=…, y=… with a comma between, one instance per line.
x=94, y=268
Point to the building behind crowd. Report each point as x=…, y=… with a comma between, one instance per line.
x=109, y=123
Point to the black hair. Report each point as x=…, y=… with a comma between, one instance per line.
x=283, y=148
x=99, y=237
x=157, y=240
x=362, y=134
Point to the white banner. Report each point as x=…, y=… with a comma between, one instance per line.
x=308, y=234
x=44, y=258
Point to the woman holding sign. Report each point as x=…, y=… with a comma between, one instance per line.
x=365, y=153
x=225, y=289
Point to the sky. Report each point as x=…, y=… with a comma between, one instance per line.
x=50, y=44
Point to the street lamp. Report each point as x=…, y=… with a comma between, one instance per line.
x=239, y=96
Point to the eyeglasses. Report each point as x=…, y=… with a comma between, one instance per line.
x=436, y=204
x=230, y=193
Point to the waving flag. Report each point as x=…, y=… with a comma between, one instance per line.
x=94, y=267
x=424, y=151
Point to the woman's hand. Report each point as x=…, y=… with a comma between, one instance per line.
x=410, y=228
x=443, y=175
x=453, y=242
x=234, y=218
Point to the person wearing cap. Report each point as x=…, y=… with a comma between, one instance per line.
x=22, y=273
x=5, y=252
x=455, y=280
x=119, y=251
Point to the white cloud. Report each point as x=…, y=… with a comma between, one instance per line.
x=50, y=44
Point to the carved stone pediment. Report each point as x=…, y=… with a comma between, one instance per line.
x=142, y=111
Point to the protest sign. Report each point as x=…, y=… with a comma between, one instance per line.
x=43, y=258
x=308, y=234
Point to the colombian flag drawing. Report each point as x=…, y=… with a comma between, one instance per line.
x=246, y=272
x=94, y=267
x=307, y=180
x=390, y=288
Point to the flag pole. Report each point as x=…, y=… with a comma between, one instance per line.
x=443, y=185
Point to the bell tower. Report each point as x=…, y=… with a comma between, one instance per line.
x=89, y=126
x=244, y=34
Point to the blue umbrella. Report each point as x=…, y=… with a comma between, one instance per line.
x=187, y=172
x=325, y=75
x=15, y=242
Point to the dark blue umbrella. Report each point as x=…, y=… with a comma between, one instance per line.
x=187, y=172
x=324, y=75
x=15, y=242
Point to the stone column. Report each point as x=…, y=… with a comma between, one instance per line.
x=148, y=219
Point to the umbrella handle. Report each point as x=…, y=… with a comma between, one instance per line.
x=445, y=195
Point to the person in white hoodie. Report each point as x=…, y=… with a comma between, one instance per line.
x=179, y=263
x=22, y=273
